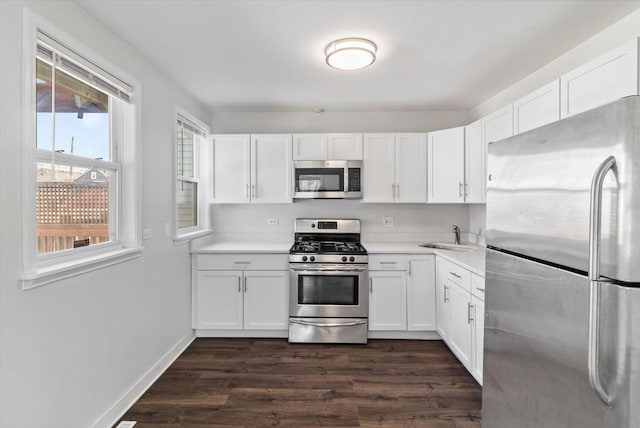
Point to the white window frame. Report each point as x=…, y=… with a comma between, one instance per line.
x=125, y=229
x=199, y=153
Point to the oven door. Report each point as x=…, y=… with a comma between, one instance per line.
x=338, y=291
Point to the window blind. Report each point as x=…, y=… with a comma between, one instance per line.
x=76, y=65
x=191, y=127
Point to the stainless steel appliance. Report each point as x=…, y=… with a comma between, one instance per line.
x=327, y=179
x=562, y=328
x=328, y=300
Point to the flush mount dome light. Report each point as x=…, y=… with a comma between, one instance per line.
x=351, y=53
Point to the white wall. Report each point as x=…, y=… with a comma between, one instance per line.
x=412, y=222
x=71, y=350
x=299, y=122
x=611, y=37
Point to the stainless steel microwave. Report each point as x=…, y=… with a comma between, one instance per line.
x=321, y=179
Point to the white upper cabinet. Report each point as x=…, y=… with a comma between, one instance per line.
x=446, y=166
x=395, y=168
x=309, y=146
x=344, y=147
x=498, y=125
x=379, y=168
x=270, y=168
x=231, y=168
x=327, y=146
x=474, y=164
x=538, y=108
x=600, y=81
x=251, y=168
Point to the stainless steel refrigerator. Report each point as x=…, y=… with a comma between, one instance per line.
x=562, y=315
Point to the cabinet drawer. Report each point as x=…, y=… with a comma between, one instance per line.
x=241, y=261
x=477, y=286
x=459, y=275
x=387, y=262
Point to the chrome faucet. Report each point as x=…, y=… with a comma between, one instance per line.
x=456, y=230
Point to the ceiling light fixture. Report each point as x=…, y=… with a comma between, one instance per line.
x=351, y=53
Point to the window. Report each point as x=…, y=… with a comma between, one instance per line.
x=80, y=168
x=190, y=138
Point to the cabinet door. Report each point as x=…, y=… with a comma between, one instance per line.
x=387, y=300
x=498, y=125
x=478, y=338
x=474, y=164
x=411, y=167
x=379, y=171
x=218, y=300
x=271, y=169
x=344, y=146
x=446, y=166
x=231, y=169
x=603, y=80
x=421, y=281
x=442, y=299
x=266, y=300
x=460, y=326
x=537, y=108
x=309, y=146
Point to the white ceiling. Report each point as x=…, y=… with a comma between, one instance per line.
x=267, y=55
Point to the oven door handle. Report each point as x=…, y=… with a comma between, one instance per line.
x=328, y=324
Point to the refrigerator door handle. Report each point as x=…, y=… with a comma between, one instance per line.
x=594, y=276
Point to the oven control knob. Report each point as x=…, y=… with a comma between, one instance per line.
x=351, y=259
x=312, y=258
x=304, y=258
x=344, y=258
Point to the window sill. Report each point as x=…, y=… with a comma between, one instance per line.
x=189, y=236
x=49, y=274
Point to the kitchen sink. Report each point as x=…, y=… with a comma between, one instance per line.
x=448, y=246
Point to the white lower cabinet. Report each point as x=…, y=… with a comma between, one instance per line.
x=387, y=300
x=460, y=314
x=401, y=293
x=240, y=299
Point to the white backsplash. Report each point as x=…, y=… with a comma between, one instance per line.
x=412, y=222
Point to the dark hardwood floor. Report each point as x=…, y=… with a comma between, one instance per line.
x=264, y=382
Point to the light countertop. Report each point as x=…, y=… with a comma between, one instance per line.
x=471, y=260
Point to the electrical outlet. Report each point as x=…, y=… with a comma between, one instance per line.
x=387, y=221
x=147, y=234
x=273, y=221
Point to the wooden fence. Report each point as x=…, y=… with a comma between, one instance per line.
x=70, y=215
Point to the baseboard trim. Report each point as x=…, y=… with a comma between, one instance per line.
x=111, y=416
x=410, y=335
x=243, y=333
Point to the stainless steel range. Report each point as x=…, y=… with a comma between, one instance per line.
x=328, y=296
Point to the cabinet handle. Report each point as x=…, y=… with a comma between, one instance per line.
x=241, y=263
x=387, y=263
x=370, y=285
x=254, y=192
x=393, y=191
x=456, y=275
x=480, y=289
x=460, y=189
x=245, y=284
x=239, y=285
x=398, y=191
x=248, y=195
x=466, y=186
x=469, y=317
x=446, y=299
x=409, y=270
